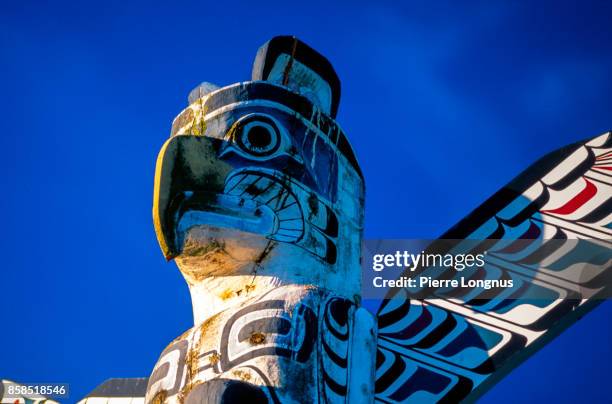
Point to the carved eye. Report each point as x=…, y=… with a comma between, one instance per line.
x=258, y=136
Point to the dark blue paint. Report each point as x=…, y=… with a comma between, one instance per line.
x=443, y=104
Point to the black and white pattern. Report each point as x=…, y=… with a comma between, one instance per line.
x=263, y=343
x=550, y=231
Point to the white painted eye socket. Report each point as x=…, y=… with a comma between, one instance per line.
x=258, y=136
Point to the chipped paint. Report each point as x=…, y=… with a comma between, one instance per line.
x=266, y=232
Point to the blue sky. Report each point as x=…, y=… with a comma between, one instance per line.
x=443, y=104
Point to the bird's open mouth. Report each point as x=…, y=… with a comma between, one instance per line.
x=226, y=211
x=252, y=201
x=271, y=190
x=193, y=188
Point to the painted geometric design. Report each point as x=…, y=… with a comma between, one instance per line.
x=307, y=338
x=259, y=198
x=550, y=231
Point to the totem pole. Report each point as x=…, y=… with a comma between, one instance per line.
x=259, y=200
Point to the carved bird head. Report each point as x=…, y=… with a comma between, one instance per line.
x=259, y=172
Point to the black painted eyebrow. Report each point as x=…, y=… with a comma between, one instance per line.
x=261, y=90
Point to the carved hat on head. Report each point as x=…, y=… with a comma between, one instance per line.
x=264, y=157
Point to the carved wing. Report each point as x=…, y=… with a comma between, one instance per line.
x=549, y=230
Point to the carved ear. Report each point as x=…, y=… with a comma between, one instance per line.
x=287, y=61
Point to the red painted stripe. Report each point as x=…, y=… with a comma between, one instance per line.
x=577, y=201
x=603, y=156
x=604, y=168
